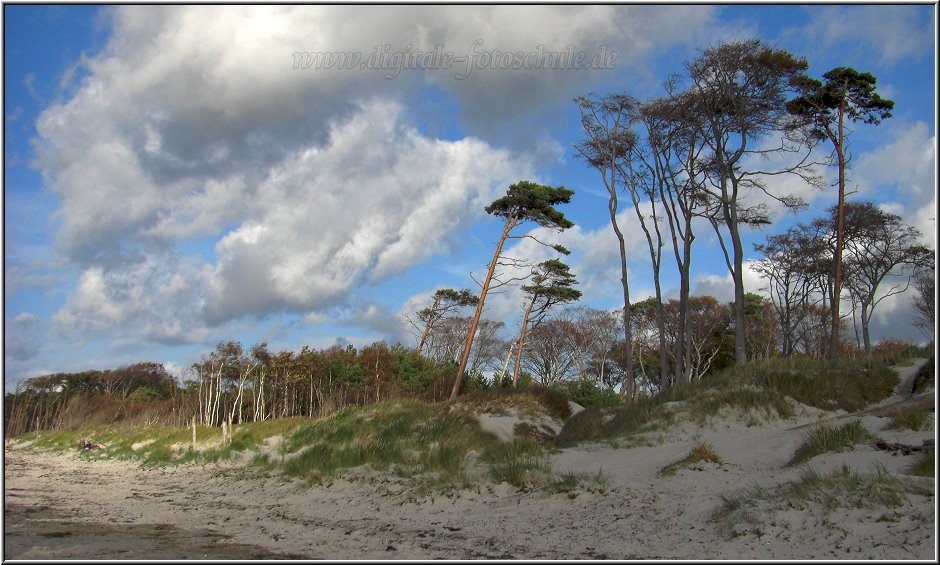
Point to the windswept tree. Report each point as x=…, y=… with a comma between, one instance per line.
x=675, y=159
x=925, y=304
x=846, y=94
x=445, y=301
x=552, y=285
x=608, y=142
x=524, y=201
x=789, y=266
x=737, y=103
x=879, y=247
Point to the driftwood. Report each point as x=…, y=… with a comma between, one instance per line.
x=902, y=448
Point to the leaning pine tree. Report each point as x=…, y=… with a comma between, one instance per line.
x=552, y=285
x=524, y=201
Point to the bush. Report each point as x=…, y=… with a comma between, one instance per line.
x=497, y=399
x=896, y=352
x=588, y=393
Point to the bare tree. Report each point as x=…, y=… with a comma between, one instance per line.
x=736, y=102
x=444, y=301
x=925, y=307
x=608, y=142
x=550, y=357
x=676, y=149
x=790, y=266
x=879, y=247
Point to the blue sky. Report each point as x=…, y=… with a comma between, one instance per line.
x=171, y=181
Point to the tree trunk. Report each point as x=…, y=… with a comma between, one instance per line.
x=866, y=317
x=510, y=224
x=737, y=276
x=626, y=391
x=834, y=342
x=525, y=322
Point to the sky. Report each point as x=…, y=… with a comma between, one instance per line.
x=176, y=176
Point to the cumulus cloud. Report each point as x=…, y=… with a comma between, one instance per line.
x=902, y=173
x=156, y=299
x=377, y=199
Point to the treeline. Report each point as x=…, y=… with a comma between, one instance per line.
x=577, y=350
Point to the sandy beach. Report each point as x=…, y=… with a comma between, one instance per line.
x=66, y=506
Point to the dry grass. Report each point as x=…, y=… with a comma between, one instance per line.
x=702, y=452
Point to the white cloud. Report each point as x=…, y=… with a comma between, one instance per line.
x=156, y=299
x=377, y=199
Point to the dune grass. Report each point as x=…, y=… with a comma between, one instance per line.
x=827, y=439
x=913, y=418
x=746, y=511
x=701, y=452
x=402, y=435
x=520, y=462
x=762, y=387
x=440, y=446
x=528, y=400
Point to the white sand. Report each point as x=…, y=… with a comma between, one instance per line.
x=368, y=515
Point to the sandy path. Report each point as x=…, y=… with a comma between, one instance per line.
x=234, y=513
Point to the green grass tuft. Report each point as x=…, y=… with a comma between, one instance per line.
x=568, y=482
x=745, y=511
x=519, y=462
x=911, y=418
x=826, y=439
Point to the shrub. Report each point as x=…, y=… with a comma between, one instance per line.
x=588, y=393
x=896, y=352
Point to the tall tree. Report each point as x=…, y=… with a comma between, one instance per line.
x=552, y=285
x=609, y=140
x=738, y=99
x=523, y=201
x=677, y=150
x=847, y=93
x=444, y=302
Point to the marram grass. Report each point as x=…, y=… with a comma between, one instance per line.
x=828, y=439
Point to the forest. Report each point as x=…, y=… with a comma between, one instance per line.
x=694, y=162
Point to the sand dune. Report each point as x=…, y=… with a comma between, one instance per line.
x=64, y=506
